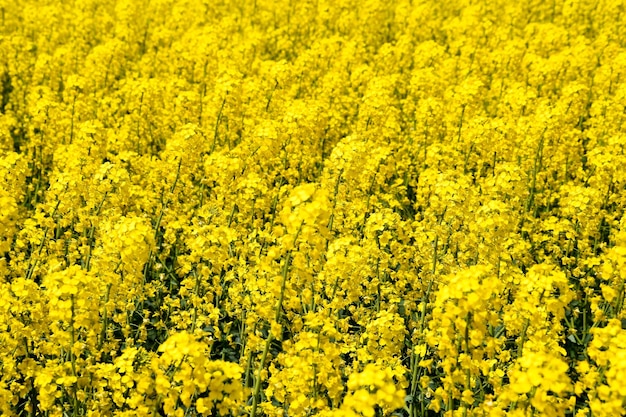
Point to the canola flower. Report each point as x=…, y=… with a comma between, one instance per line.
x=312, y=208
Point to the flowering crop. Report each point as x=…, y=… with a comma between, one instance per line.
x=299, y=208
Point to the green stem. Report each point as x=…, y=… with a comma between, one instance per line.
x=270, y=338
x=257, y=377
x=72, y=358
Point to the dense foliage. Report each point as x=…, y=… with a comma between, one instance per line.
x=297, y=207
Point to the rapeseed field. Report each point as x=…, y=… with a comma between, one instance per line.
x=312, y=208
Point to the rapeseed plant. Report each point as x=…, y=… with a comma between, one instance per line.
x=307, y=208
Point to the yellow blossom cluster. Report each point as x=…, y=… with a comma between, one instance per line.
x=312, y=208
